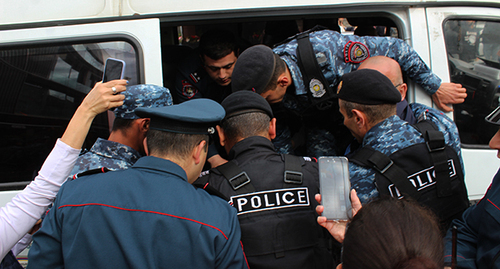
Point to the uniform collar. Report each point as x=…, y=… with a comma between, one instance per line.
x=160, y=165
x=250, y=144
x=115, y=150
x=382, y=129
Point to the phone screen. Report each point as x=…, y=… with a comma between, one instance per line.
x=113, y=70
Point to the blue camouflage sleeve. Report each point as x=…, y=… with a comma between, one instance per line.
x=363, y=181
x=408, y=59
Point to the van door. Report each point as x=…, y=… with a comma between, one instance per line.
x=465, y=48
x=45, y=72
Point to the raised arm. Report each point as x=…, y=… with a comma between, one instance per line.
x=26, y=208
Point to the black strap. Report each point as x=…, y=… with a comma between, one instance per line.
x=436, y=146
x=381, y=163
x=293, y=171
x=237, y=178
x=311, y=71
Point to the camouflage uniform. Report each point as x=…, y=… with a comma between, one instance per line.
x=113, y=155
x=394, y=134
x=105, y=153
x=336, y=55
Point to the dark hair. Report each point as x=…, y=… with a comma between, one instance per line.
x=246, y=125
x=279, y=69
x=393, y=234
x=374, y=113
x=216, y=44
x=120, y=124
x=172, y=144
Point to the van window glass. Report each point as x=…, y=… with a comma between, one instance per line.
x=40, y=88
x=473, y=49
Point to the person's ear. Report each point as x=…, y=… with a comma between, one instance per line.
x=145, y=125
x=222, y=135
x=339, y=266
x=403, y=88
x=359, y=117
x=272, y=128
x=145, y=143
x=283, y=80
x=197, y=152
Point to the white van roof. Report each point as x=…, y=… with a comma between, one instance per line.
x=59, y=10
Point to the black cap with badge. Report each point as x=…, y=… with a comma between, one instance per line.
x=198, y=116
x=367, y=87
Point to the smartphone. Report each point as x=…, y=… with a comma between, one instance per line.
x=335, y=187
x=113, y=69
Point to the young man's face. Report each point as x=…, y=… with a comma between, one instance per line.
x=274, y=96
x=220, y=70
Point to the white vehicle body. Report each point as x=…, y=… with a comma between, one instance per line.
x=152, y=28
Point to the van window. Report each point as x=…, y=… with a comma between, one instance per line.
x=473, y=48
x=40, y=88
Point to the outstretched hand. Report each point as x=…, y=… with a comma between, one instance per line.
x=449, y=94
x=102, y=97
x=337, y=228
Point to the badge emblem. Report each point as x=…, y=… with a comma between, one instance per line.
x=316, y=87
x=188, y=90
x=355, y=52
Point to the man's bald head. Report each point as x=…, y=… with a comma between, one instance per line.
x=390, y=68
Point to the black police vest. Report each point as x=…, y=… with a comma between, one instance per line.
x=279, y=228
x=429, y=172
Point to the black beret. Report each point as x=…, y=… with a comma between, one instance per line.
x=243, y=102
x=253, y=69
x=367, y=87
x=197, y=116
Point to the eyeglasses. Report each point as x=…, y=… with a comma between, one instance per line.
x=494, y=117
x=395, y=86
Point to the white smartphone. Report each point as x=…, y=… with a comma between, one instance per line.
x=113, y=69
x=335, y=187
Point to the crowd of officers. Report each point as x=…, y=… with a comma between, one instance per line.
x=250, y=115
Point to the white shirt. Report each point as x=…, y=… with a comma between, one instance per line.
x=27, y=207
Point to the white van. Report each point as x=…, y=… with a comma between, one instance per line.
x=52, y=52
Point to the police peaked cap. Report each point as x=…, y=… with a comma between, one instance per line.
x=367, y=87
x=197, y=116
x=243, y=102
x=253, y=69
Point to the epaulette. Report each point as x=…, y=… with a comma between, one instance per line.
x=211, y=190
x=91, y=172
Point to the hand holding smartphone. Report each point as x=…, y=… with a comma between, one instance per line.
x=335, y=187
x=113, y=69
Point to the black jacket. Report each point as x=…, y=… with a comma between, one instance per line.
x=278, y=220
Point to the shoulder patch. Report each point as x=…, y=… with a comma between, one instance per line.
x=355, y=52
x=188, y=89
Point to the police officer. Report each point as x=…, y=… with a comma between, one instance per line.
x=208, y=73
x=414, y=112
x=335, y=54
x=273, y=193
x=478, y=230
x=147, y=216
x=124, y=145
x=369, y=110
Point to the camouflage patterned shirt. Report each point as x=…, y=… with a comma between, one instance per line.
x=394, y=134
x=338, y=54
x=105, y=153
